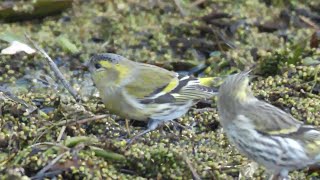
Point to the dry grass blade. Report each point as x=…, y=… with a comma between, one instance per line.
x=193, y=171
x=41, y=173
x=56, y=70
x=180, y=8
x=76, y=121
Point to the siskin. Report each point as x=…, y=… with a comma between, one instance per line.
x=145, y=92
x=263, y=132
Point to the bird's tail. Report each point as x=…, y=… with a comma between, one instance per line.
x=211, y=81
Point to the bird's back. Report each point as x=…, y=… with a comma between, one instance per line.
x=156, y=93
x=284, y=142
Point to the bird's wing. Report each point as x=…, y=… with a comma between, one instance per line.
x=191, y=88
x=269, y=119
x=151, y=80
x=156, y=85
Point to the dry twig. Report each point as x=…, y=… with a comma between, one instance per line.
x=180, y=8
x=76, y=121
x=56, y=70
x=309, y=22
x=193, y=171
x=41, y=173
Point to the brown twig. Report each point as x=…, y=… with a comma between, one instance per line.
x=193, y=171
x=309, y=22
x=49, y=144
x=88, y=119
x=56, y=70
x=48, y=174
x=181, y=10
x=76, y=121
x=48, y=166
x=61, y=133
x=197, y=3
x=6, y=94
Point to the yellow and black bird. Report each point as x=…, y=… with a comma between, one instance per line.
x=145, y=92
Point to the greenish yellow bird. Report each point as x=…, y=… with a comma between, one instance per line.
x=263, y=132
x=145, y=92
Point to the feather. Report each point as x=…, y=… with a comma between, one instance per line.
x=270, y=119
x=149, y=80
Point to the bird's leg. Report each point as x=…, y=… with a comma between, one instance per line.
x=180, y=125
x=280, y=176
x=127, y=126
x=152, y=125
x=273, y=177
x=284, y=175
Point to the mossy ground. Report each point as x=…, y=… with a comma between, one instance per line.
x=221, y=36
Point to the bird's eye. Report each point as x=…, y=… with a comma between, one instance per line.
x=97, y=66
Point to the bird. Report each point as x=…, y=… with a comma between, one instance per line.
x=146, y=92
x=264, y=133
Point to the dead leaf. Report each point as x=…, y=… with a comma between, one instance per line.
x=16, y=47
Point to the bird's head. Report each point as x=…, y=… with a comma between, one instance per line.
x=236, y=87
x=108, y=68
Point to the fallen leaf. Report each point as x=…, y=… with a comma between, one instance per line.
x=16, y=46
